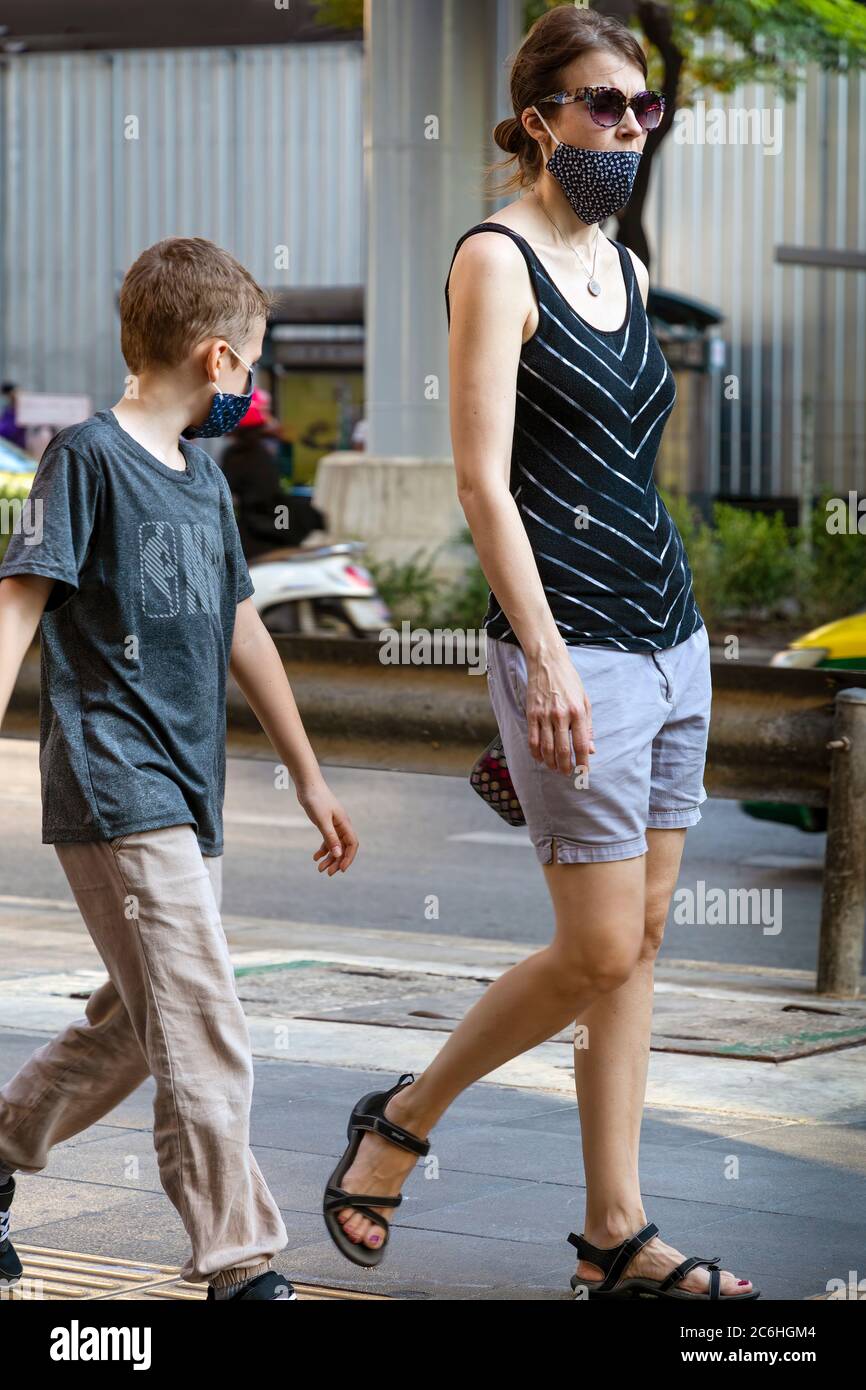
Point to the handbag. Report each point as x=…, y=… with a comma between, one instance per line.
x=492, y=781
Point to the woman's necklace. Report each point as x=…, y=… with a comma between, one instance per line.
x=592, y=285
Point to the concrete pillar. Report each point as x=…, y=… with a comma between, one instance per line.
x=435, y=85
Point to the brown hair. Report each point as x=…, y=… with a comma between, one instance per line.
x=553, y=42
x=180, y=291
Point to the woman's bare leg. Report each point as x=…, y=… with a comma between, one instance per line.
x=596, y=944
x=611, y=1060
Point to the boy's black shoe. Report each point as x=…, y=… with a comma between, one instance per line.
x=269, y=1286
x=11, y=1267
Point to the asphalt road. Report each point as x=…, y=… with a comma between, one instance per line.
x=434, y=858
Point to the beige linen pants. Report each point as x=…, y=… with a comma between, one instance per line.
x=151, y=902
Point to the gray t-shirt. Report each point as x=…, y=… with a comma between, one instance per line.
x=136, y=635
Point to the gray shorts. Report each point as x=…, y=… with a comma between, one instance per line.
x=650, y=721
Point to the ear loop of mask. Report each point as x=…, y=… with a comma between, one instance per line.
x=249, y=381
x=547, y=128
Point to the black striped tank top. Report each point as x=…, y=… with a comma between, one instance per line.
x=590, y=411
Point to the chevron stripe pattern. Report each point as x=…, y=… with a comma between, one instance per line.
x=589, y=416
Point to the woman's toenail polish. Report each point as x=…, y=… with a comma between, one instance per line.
x=742, y=1281
x=374, y=1240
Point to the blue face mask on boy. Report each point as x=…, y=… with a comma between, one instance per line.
x=227, y=409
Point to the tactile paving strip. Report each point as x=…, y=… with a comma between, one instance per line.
x=68, y=1274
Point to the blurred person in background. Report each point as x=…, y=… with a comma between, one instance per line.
x=251, y=463
x=360, y=434
x=9, y=427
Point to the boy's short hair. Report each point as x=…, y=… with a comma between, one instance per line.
x=180, y=291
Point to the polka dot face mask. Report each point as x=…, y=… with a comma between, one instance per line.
x=597, y=183
x=227, y=408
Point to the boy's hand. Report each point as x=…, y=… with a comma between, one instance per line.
x=340, y=842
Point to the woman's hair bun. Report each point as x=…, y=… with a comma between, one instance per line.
x=508, y=135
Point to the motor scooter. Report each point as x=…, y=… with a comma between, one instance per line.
x=318, y=589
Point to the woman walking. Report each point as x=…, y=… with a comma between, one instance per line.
x=598, y=658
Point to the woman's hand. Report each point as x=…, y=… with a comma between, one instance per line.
x=340, y=843
x=558, y=713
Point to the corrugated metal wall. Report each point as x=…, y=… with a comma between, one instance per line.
x=254, y=148
x=716, y=214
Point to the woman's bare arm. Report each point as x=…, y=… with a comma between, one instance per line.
x=490, y=303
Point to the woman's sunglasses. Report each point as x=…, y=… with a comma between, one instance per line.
x=608, y=105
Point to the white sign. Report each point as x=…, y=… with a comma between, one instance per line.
x=43, y=408
x=718, y=352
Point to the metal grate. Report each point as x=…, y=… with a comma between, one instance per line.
x=68, y=1274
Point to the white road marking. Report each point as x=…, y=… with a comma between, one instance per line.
x=274, y=822
x=783, y=861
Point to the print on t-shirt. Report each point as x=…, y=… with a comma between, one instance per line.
x=169, y=570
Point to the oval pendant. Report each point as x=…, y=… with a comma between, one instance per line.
x=594, y=288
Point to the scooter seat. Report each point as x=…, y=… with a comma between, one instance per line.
x=287, y=553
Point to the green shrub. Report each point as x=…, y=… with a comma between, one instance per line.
x=413, y=592
x=464, y=602
x=698, y=542
x=753, y=562
x=745, y=564
x=749, y=564
x=832, y=578
x=409, y=587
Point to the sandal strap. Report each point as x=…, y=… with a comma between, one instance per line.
x=368, y=1215
x=684, y=1268
x=378, y=1124
x=614, y=1259
x=338, y=1197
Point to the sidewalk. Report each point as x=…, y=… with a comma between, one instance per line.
x=758, y=1161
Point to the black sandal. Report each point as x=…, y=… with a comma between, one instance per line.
x=614, y=1260
x=368, y=1114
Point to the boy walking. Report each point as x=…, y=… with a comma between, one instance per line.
x=130, y=562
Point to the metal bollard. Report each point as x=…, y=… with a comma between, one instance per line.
x=843, y=902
